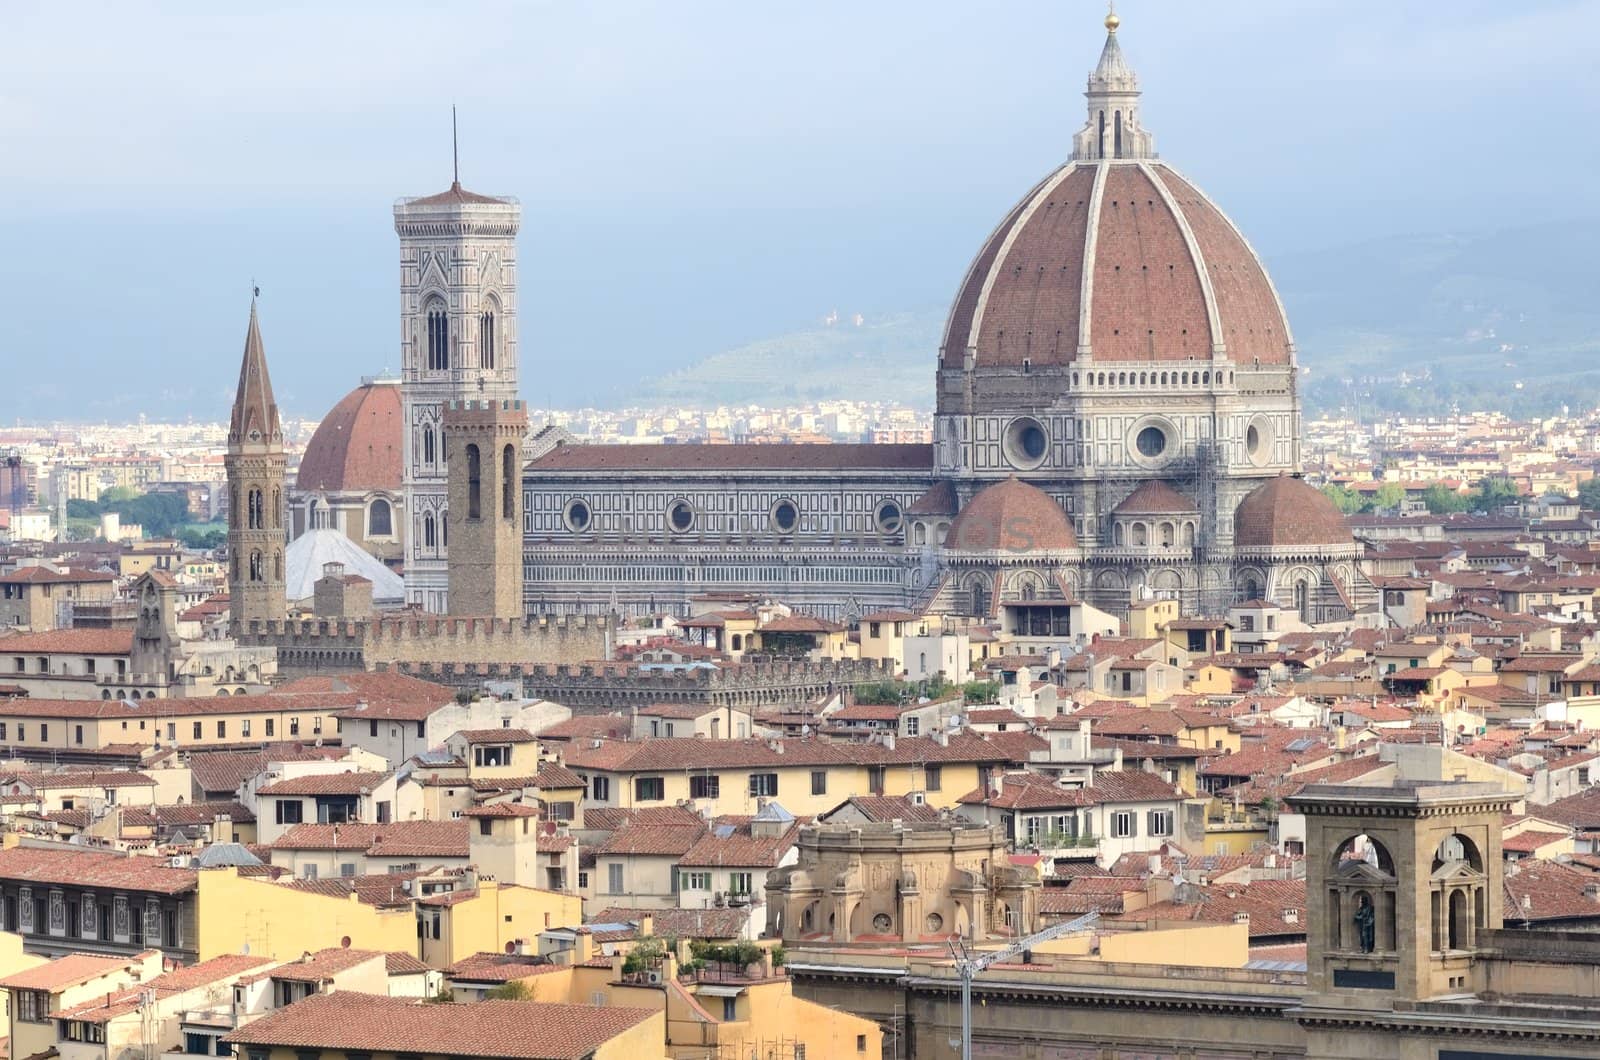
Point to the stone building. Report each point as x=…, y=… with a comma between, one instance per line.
x=458, y=327
x=349, y=477
x=255, y=470
x=1117, y=411
x=900, y=881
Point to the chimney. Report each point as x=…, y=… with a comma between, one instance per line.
x=888, y=740
x=1591, y=891
x=1116, y=759
x=647, y=925
x=1155, y=864
x=582, y=946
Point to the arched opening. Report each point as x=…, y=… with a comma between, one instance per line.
x=1251, y=589
x=257, y=568
x=1458, y=919
x=1188, y=535
x=380, y=519
x=508, y=483
x=1168, y=535
x=1141, y=535
x=277, y=508
x=1117, y=133
x=1117, y=534
x=438, y=320
x=444, y=530
x=429, y=535
x=978, y=597
x=256, y=510
x=427, y=445
x=474, y=483
x=1302, y=600
x=1100, y=137
x=486, y=335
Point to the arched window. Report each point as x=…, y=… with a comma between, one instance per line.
x=1116, y=534
x=508, y=483
x=277, y=508
x=427, y=445
x=429, y=536
x=1302, y=600
x=1141, y=535
x=438, y=320
x=1167, y=535
x=444, y=530
x=380, y=519
x=257, y=572
x=1118, y=134
x=277, y=566
x=486, y=335
x=474, y=483
x=256, y=510
x=1252, y=589
x=1100, y=140
x=979, y=593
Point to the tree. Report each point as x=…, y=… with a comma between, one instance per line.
x=1388, y=497
x=515, y=990
x=1442, y=501
x=1346, y=500
x=1589, y=493
x=1495, y=493
x=978, y=692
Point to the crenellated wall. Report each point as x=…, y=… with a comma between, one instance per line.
x=430, y=643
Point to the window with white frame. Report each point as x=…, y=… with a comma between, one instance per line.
x=1159, y=822
x=694, y=881
x=1122, y=824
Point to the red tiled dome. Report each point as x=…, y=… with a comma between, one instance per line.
x=357, y=445
x=1011, y=516
x=1154, y=498
x=1287, y=513
x=1169, y=276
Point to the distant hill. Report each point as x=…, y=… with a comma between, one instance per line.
x=890, y=358
x=1422, y=323
x=1410, y=323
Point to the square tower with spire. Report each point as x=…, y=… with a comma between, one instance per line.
x=458, y=342
x=255, y=470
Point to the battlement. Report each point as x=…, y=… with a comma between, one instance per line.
x=442, y=643
x=483, y=412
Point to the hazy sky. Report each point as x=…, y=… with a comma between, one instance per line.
x=693, y=174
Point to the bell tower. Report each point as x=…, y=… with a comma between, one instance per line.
x=1400, y=884
x=484, y=438
x=255, y=468
x=458, y=341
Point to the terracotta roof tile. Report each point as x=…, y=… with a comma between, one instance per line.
x=500, y=1030
x=92, y=868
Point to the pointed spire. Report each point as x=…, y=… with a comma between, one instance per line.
x=255, y=410
x=1113, y=129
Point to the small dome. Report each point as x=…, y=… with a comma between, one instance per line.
x=356, y=447
x=1155, y=498
x=1011, y=516
x=1287, y=513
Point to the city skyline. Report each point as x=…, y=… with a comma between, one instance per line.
x=792, y=197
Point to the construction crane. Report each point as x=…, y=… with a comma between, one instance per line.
x=968, y=967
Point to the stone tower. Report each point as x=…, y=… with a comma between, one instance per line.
x=255, y=467
x=458, y=340
x=1401, y=884
x=484, y=440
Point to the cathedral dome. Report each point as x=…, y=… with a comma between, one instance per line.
x=1115, y=257
x=1287, y=513
x=1011, y=516
x=1154, y=498
x=356, y=447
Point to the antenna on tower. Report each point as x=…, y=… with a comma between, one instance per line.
x=455, y=150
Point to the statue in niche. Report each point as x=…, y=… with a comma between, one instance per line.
x=1367, y=925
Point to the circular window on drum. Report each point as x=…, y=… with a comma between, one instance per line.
x=578, y=516
x=1151, y=443
x=680, y=516
x=1026, y=443
x=785, y=516
x=889, y=517
x=1258, y=440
